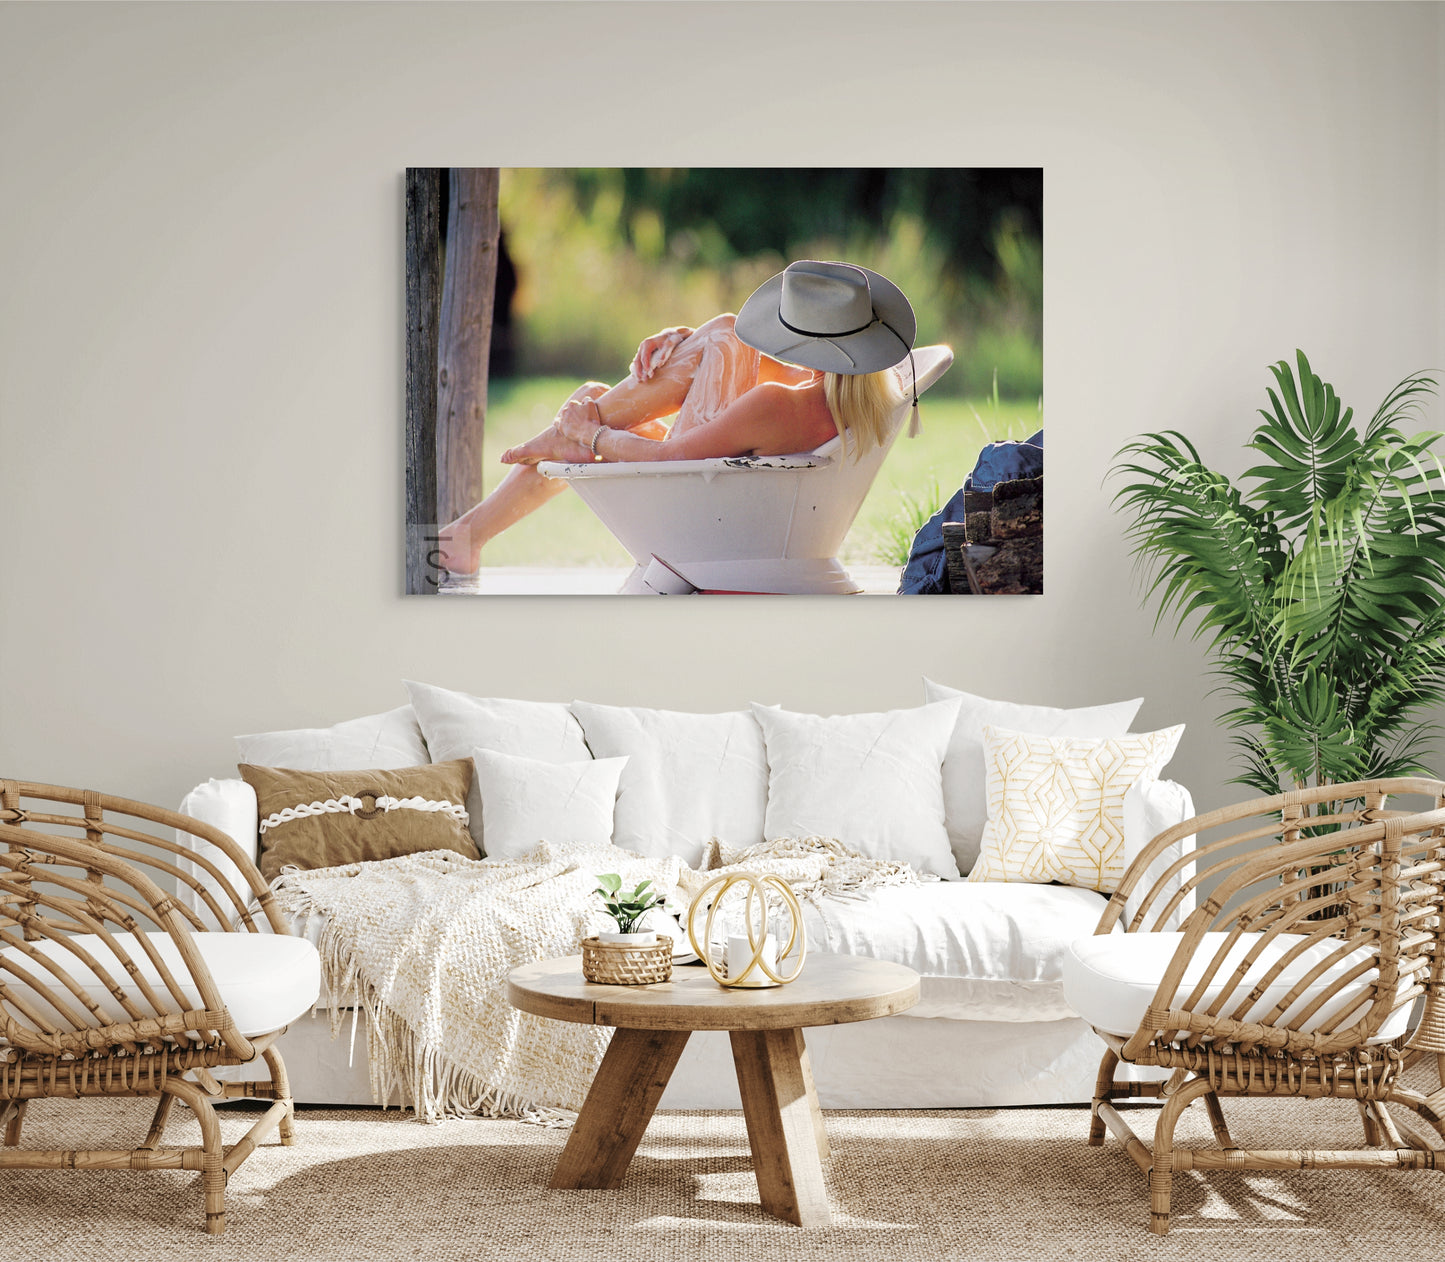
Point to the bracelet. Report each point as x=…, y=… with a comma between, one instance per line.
x=601, y=425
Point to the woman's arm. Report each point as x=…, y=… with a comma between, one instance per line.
x=657, y=350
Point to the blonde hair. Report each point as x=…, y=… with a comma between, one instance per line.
x=861, y=405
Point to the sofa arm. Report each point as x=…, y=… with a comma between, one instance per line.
x=1149, y=808
x=229, y=805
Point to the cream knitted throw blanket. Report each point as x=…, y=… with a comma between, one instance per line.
x=425, y=942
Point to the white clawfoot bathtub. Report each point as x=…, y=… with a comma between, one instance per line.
x=743, y=523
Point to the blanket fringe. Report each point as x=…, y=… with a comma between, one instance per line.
x=401, y=1064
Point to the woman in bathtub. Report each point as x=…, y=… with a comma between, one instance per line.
x=808, y=357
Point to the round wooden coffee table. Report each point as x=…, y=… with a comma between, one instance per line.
x=785, y=1125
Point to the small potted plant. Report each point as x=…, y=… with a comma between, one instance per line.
x=627, y=956
x=627, y=908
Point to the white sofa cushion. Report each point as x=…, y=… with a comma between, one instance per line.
x=689, y=777
x=965, y=797
x=266, y=980
x=527, y=800
x=1110, y=980
x=383, y=742
x=872, y=781
x=985, y=952
x=456, y=723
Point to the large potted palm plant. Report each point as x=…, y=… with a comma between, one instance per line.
x=1318, y=578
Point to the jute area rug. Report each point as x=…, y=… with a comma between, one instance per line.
x=986, y=1184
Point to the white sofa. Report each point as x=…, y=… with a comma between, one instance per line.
x=992, y=1027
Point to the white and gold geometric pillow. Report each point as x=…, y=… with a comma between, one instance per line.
x=1056, y=804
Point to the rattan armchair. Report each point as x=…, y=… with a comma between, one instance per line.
x=1305, y=940
x=111, y=986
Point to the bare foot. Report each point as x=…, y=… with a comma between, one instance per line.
x=455, y=552
x=550, y=444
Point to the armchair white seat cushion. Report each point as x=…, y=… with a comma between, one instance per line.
x=267, y=980
x=1111, y=979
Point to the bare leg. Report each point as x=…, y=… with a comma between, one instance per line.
x=522, y=491
x=709, y=358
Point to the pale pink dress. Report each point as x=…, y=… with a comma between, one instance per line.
x=719, y=367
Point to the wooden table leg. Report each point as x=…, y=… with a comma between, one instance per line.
x=618, y=1107
x=783, y=1126
x=825, y=1150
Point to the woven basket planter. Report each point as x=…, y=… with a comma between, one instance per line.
x=625, y=964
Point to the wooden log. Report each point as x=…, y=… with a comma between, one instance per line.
x=980, y=526
x=423, y=302
x=464, y=337
x=1016, y=488
x=1015, y=569
x=955, y=540
x=1018, y=509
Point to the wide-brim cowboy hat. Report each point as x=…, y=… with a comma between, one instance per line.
x=836, y=317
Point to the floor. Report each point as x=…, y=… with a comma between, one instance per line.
x=988, y=1184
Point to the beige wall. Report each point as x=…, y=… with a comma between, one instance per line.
x=201, y=330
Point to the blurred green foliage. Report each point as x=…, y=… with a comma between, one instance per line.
x=605, y=257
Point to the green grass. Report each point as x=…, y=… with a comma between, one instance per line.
x=920, y=473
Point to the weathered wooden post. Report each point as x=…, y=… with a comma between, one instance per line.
x=423, y=293
x=465, y=337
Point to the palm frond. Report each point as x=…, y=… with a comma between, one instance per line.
x=1310, y=444
x=1403, y=401
x=1320, y=592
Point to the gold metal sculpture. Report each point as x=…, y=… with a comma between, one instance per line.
x=759, y=971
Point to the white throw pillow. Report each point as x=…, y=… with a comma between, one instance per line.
x=527, y=800
x=689, y=777
x=965, y=800
x=455, y=723
x=1056, y=804
x=872, y=781
x=380, y=742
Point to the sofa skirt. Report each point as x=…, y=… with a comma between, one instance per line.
x=894, y=1063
